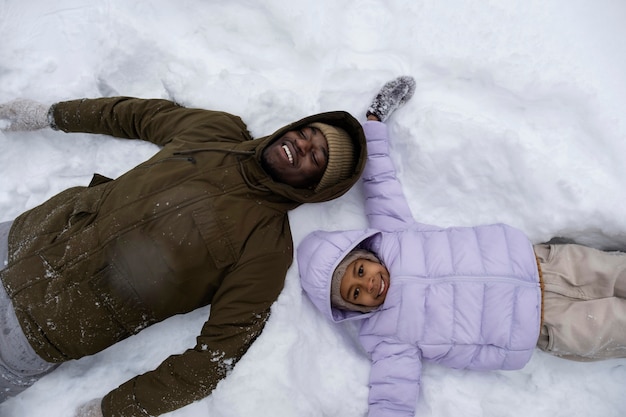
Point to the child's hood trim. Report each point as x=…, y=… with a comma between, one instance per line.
x=319, y=254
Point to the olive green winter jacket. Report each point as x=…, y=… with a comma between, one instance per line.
x=199, y=223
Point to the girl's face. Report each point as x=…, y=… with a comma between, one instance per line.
x=365, y=283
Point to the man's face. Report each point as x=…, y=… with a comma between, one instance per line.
x=299, y=158
x=365, y=283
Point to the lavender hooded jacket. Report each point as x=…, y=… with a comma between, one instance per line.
x=463, y=297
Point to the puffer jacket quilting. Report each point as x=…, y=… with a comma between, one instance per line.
x=463, y=297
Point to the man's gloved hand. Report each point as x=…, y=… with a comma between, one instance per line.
x=391, y=96
x=23, y=114
x=92, y=408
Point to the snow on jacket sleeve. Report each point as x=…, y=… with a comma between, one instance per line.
x=238, y=314
x=394, y=380
x=153, y=120
x=385, y=204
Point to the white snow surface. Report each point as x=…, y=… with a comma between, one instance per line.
x=518, y=117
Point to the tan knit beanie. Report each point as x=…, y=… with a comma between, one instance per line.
x=341, y=157
x=335, y=295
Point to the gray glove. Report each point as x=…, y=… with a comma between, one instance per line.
x=24, y=114
x=393, y=95
x=92, y=408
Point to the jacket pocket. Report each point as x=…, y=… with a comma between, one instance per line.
x=125, y=308
x=78, y=319
x=86, y=206
x=216, y=237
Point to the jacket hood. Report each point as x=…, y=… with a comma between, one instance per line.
x=319, y=254
x=336, y=118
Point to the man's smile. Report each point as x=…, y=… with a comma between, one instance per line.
x=297, y=158
x=288, y=153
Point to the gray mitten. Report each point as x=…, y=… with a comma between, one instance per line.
x=393, y=95
x=90, y=409
x=23, y=114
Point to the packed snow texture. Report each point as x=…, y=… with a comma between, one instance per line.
x=518, y=117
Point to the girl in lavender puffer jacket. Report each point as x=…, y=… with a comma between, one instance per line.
x=464, y=297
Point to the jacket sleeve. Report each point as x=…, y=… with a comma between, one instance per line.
x=153, y=120
x=394, y=380
x=385, y=204
x=239, y=311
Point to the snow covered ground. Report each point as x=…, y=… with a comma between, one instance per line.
x=518, y=117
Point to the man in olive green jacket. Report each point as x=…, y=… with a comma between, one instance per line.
x=204, y=221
